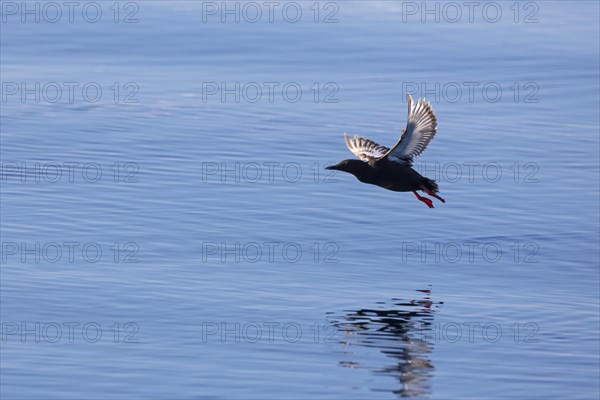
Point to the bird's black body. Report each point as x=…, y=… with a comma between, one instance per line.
x=387, y=174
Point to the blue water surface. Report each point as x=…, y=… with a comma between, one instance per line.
x=169, y=230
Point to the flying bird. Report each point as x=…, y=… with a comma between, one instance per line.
x=392, y=168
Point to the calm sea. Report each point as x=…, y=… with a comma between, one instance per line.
x=168, y=229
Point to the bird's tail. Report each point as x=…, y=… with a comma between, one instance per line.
x=430, y=184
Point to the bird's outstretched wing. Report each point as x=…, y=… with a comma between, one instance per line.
x=420, y=129
x=365, y=149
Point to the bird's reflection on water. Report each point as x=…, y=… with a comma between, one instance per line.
x=400, y=329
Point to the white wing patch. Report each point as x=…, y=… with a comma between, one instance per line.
x=365, y=149
x=420, y=129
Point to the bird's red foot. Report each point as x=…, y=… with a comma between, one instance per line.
x=424, y=200
x=429, y=192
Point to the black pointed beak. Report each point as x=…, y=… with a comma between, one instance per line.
x=331, y=167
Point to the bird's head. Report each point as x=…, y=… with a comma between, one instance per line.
x=350, y=166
